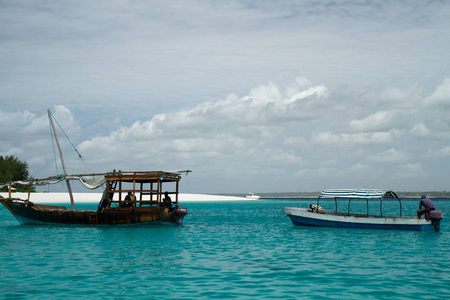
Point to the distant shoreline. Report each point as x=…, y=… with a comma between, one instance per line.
x=309, y=195
x=60, y=197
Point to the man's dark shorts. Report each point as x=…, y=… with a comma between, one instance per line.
x=422, y=211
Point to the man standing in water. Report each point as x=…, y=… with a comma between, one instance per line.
x=427, y=206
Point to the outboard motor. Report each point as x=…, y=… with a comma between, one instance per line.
x=180, y=212
x=436, y=216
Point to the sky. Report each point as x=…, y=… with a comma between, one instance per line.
x=252, y=96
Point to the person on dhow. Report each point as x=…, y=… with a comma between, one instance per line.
x=167, y=201
x=427, y=205
x=129, y=199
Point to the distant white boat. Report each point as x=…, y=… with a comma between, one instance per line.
x=252, y=196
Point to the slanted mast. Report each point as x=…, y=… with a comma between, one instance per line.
x=62, y=159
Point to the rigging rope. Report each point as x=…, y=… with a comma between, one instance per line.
x=76, y=150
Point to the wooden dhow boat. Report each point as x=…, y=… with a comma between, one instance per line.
x=317, y=216
x=128, y=198
x=148, y=201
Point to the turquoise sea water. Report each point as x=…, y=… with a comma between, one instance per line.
x=244, y=250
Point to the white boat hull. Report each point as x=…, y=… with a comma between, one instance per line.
x=301, y=216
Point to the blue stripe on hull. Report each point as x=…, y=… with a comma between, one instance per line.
x=299, y=221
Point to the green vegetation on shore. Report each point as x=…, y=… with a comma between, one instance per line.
x=12, y=169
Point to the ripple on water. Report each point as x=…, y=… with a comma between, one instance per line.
x=224, y=250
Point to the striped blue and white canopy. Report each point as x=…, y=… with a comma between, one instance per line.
x=357, y=193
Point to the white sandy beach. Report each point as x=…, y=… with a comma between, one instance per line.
x=95, y=197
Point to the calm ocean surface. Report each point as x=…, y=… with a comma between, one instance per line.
x=244, y=250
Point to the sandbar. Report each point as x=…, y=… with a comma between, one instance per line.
x=95, y=197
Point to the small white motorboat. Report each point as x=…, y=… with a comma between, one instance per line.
x=253, y=196
x=319, y=217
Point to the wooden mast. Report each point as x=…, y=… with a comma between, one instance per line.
x=62, y=159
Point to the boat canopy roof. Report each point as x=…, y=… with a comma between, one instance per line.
x=375, y=194
x=143, y=177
